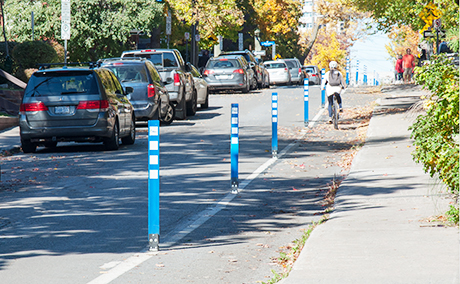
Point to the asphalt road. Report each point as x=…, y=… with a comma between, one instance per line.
x=77, y=213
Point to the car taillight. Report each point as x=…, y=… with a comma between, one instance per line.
x=176, y=79
x=285, y=69
x=151, y=90
x=313, y=75
x=300, y=70
x=239, y=71
x=101, y=105
x=207, y=72
x=30, y=107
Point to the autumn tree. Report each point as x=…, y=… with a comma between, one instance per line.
x=213, y=17
x=278, y=21
x=328, y=47
x=99, y=28
x=402, y=38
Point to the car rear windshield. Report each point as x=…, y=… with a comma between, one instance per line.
x=161, y=59
x=274, y=65
x=223, y=63
x=128, y=72
x=310, y=70
x=58, y=83
x=291, y=64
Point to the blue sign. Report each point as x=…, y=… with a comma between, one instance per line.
x=267, y=43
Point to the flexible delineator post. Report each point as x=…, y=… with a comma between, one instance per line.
x=154, y=184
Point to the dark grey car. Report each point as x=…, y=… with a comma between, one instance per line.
x=149, y=97
x=230, y=72
x=75, y=104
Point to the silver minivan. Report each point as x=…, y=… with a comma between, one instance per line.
x=75, y=104
x=295, y=68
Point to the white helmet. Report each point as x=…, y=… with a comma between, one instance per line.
x=333, y=65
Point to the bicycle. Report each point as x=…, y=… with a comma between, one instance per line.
x=335, y=110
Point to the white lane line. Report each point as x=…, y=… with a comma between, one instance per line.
x=315, y=119
x=188, y=226
x=122, y=268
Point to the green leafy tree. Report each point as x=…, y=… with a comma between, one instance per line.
x=388, y=14
x=99, y=28
x=436, y=133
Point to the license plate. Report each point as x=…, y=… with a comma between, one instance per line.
x=61, y=109
x=223, y=77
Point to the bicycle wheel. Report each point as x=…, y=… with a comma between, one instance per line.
x=335, y=113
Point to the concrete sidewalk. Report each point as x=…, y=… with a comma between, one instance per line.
x=377, y=232
x=10, y=139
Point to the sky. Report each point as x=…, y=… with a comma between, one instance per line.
x=372, y=53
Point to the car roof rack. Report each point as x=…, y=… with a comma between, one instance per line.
x=120, y=58
x=43, y=66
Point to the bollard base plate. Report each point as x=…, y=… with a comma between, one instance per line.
x=154, y=240
x=235, y=186
x=275, y=154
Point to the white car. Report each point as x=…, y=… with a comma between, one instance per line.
x=279, y=72
x=201, y=87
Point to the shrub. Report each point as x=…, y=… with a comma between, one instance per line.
x=436, y=133
x=29, y=53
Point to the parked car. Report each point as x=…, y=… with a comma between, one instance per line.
x=201, y=87
x=75, y=104
x=176, y=76
x=229, y=72
x=259, y=73
x=314, y=74
x=279, y=72
x=150, y=97
x=295, y=68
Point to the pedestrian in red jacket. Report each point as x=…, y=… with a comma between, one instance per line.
x=399, y=68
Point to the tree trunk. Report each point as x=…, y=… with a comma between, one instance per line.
x=312, y=39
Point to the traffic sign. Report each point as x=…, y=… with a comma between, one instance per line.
x=168, y=23
x=267, y=43
x=65, y=19
x=187, y=36
x=429, y=13
x=442, y=34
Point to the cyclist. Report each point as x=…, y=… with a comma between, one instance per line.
x=334, y=82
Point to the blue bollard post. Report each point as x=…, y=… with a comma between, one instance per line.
x=365, y=75
x=305, y=102
x=357, y=68
x=154, y=185
x=323, y=90
x=234, y=148
x=347, y=80
x=274, y=125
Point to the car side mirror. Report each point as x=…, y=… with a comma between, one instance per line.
x=188, y=67
x=129, y=90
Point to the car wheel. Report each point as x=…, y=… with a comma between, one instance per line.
x=113, y=143
x=206, y=102
x=168, y=118
x=254, y=83
x=180, y=108
x=28, y=147
x=129, y=140
x=192, y=105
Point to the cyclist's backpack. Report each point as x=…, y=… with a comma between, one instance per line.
x=334, y=78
